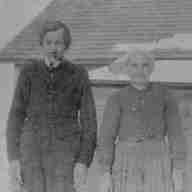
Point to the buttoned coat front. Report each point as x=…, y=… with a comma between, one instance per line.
x=52, y=120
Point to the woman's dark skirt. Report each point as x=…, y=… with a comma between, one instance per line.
x=142, y=167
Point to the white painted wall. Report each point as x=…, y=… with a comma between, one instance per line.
x=6, y=90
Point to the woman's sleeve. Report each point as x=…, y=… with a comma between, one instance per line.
x=175, y=132
x=108, y=132
x=16, y=116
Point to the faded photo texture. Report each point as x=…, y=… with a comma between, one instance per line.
x=101, y=30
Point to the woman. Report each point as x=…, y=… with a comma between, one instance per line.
x=132, y=149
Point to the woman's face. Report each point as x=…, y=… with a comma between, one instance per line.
x=53, y=45
x=139, y=69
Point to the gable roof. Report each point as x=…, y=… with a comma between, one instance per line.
x=97, y=25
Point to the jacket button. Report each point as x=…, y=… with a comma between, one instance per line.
x=51, y=75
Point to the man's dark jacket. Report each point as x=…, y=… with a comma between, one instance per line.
x=51, y=107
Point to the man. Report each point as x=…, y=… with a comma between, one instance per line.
x=51, y=131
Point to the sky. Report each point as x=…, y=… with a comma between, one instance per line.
x=15, y=14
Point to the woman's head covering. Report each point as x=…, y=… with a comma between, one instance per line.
x=120, y=64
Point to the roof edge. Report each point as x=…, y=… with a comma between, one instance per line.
x=23, y=28
x=100, y=61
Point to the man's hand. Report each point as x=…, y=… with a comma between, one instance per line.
x=80, y=176
x=15, y=176
x=105, y=183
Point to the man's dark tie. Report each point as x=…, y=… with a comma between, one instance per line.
x=51, y=67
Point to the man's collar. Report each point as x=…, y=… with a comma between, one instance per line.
x=53, y=65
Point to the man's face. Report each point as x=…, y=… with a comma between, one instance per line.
x=139, y=70
x=53, y=45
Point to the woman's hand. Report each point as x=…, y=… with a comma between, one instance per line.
x=178, y=178
x=106, y=183
x=80, y=177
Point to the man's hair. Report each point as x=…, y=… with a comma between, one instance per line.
x=49, y=26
